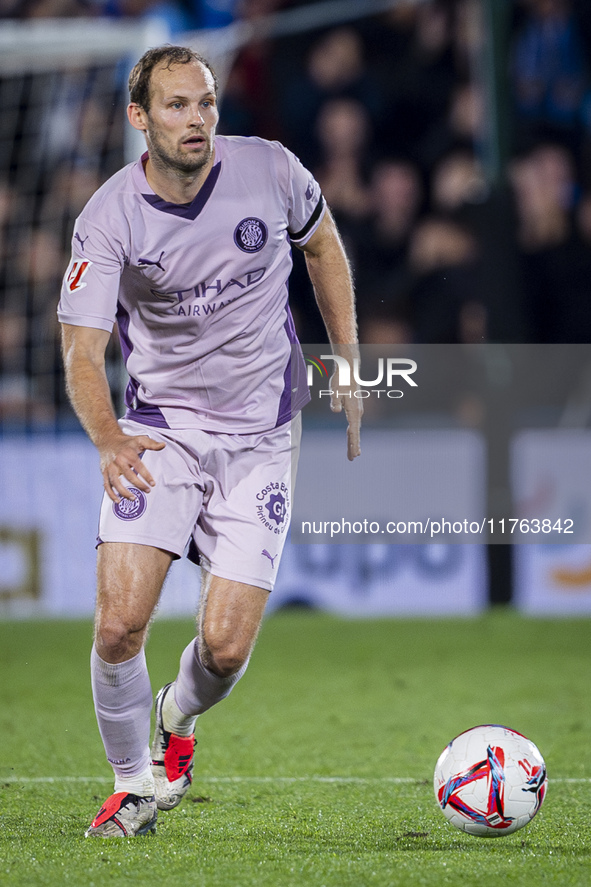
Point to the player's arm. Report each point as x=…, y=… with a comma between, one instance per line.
x=88, y=389
x=331, y=278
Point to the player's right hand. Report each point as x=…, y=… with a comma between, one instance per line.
x=121, y=458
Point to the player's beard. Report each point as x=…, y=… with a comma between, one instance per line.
x=175, y=160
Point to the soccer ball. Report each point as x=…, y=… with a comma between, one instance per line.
x=490, y=781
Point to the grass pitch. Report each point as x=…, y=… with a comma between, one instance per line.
x=317, y=771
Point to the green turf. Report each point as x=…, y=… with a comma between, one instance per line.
x=317, y=770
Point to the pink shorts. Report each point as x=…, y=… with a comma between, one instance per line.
x=226, y=497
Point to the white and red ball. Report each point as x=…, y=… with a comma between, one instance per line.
x=490, y=781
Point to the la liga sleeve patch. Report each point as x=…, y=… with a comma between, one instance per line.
x=75, y=274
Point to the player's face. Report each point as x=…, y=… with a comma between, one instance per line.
x=182, y=118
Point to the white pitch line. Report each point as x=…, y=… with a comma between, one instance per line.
x=361, y=780
x=287, y=780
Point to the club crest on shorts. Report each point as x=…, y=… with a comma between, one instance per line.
x=273, y=507
x=250, y=235
x=131, y=509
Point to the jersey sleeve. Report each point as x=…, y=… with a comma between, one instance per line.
x=306, y=205
x=91, y=283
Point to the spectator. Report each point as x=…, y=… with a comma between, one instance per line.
x=544, y=188
x=386, y=326
x=380, y=247
x=443, y=257
x=343, y=132
x=335, y=69
x=213, y=13
x=172, y=13
x=419, y=84
x=458, y=181
x=459, y=190
x=461, y=127
x=550, y=68
x=68, y=194
x=48, y=9
x=249, y=99
x=555, y=258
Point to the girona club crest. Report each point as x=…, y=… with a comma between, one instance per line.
x=75, y=275
x=131, y=509
x=250, y=235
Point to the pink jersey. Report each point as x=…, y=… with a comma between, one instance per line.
x=200, y=291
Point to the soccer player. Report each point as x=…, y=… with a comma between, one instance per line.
x=188, y=251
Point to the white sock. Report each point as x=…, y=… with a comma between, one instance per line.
x=174, y=720
x=196, y=688
x=123, y=703
x=141, y=785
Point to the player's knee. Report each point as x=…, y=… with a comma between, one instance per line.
x=223, y=657
x=116, y=639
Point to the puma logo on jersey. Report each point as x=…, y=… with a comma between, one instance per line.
x=272, y=559
x=143, y=263
x=80, y=241
x=75, y=274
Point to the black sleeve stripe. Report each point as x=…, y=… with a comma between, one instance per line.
x=311, y=221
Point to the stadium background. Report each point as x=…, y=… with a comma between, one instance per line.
x=452, y=139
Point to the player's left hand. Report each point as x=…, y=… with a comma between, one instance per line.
x=353, y=407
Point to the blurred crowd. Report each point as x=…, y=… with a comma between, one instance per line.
x=392, y=115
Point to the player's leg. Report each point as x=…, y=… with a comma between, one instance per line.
x=240, y=536
x=230, y=616
x=130, y=579
x=140, y=538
